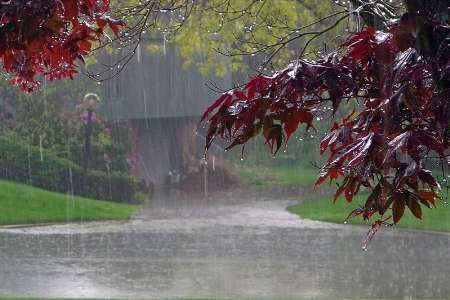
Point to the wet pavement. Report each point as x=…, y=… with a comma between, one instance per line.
x=236, y=245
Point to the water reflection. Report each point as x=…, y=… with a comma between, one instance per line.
x=231, y=246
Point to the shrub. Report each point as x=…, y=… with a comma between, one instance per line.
x=42, y=168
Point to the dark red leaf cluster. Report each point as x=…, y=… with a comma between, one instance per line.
x=400, y=80
x=46, y=37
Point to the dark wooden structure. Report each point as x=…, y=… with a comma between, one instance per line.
x=162, y=101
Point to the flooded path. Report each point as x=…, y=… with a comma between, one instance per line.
x=234, y=246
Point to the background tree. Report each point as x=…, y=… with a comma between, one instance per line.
x=219, y=36
x=51, y=118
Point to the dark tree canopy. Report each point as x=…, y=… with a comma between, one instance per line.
x=396, y=73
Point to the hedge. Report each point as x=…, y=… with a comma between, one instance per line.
x=28, y=164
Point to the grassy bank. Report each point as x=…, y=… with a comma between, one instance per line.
x=23, y=204
x=323, y=209
x=276, y=175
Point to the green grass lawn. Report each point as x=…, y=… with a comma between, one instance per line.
x=323, y=209
x=276, y=175
x=23, y=204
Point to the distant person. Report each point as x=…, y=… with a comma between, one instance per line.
x=90, y=103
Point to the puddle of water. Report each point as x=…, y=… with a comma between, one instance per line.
x=229, y=247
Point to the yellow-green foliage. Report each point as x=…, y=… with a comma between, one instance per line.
x=207, y=31
x=228, y=26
